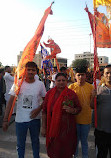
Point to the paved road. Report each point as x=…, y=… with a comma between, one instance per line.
x=8, y=145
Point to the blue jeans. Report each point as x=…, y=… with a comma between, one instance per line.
x=21, y=132
x=82, y=135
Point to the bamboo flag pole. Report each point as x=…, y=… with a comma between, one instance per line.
x=54, y=62
x=57, y=64
x=95, y=59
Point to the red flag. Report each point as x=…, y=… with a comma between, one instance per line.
x=103, y=39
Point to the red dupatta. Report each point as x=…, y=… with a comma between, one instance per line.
x=53, y=122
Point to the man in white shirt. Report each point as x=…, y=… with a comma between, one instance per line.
x=28, y=110
x=9, y=80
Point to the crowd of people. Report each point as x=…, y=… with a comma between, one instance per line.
x=66, y=107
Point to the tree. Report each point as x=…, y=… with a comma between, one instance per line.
x=80, y=62
x=1, y=64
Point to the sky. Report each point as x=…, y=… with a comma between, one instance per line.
x=69, y=27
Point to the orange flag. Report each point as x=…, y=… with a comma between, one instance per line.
x=28, y=54
x=31, y=47
x=103, y=31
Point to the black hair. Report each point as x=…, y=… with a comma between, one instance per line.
x=31, y=64
x=80, y=69
x=1, y=70
x=63, y=68
x=6, y=67
x=37, y=70
x=55, y=67
x=101, y=69
x=61, y=74
x=108, y=66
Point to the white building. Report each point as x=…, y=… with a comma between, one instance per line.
x=90, y=58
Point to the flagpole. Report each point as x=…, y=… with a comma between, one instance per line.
x=44, y=73
x=95, y=61
x=54, y=62
x=57, y=64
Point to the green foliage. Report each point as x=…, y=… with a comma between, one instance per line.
x=1, y=64
x=80, y=62
x=67, y=102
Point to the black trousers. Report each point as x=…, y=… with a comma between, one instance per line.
x=103, y=143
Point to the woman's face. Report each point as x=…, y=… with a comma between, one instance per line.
x=61, y=82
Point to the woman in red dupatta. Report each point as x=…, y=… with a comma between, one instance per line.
x=58, y=119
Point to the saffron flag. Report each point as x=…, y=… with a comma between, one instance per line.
x=28, y=55
x=103, y=31
x=101, y=2
x=55, y=49
x=30, y=49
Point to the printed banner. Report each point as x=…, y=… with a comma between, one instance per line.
x=103, y=31
x=46, y=64
x=101, y=2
